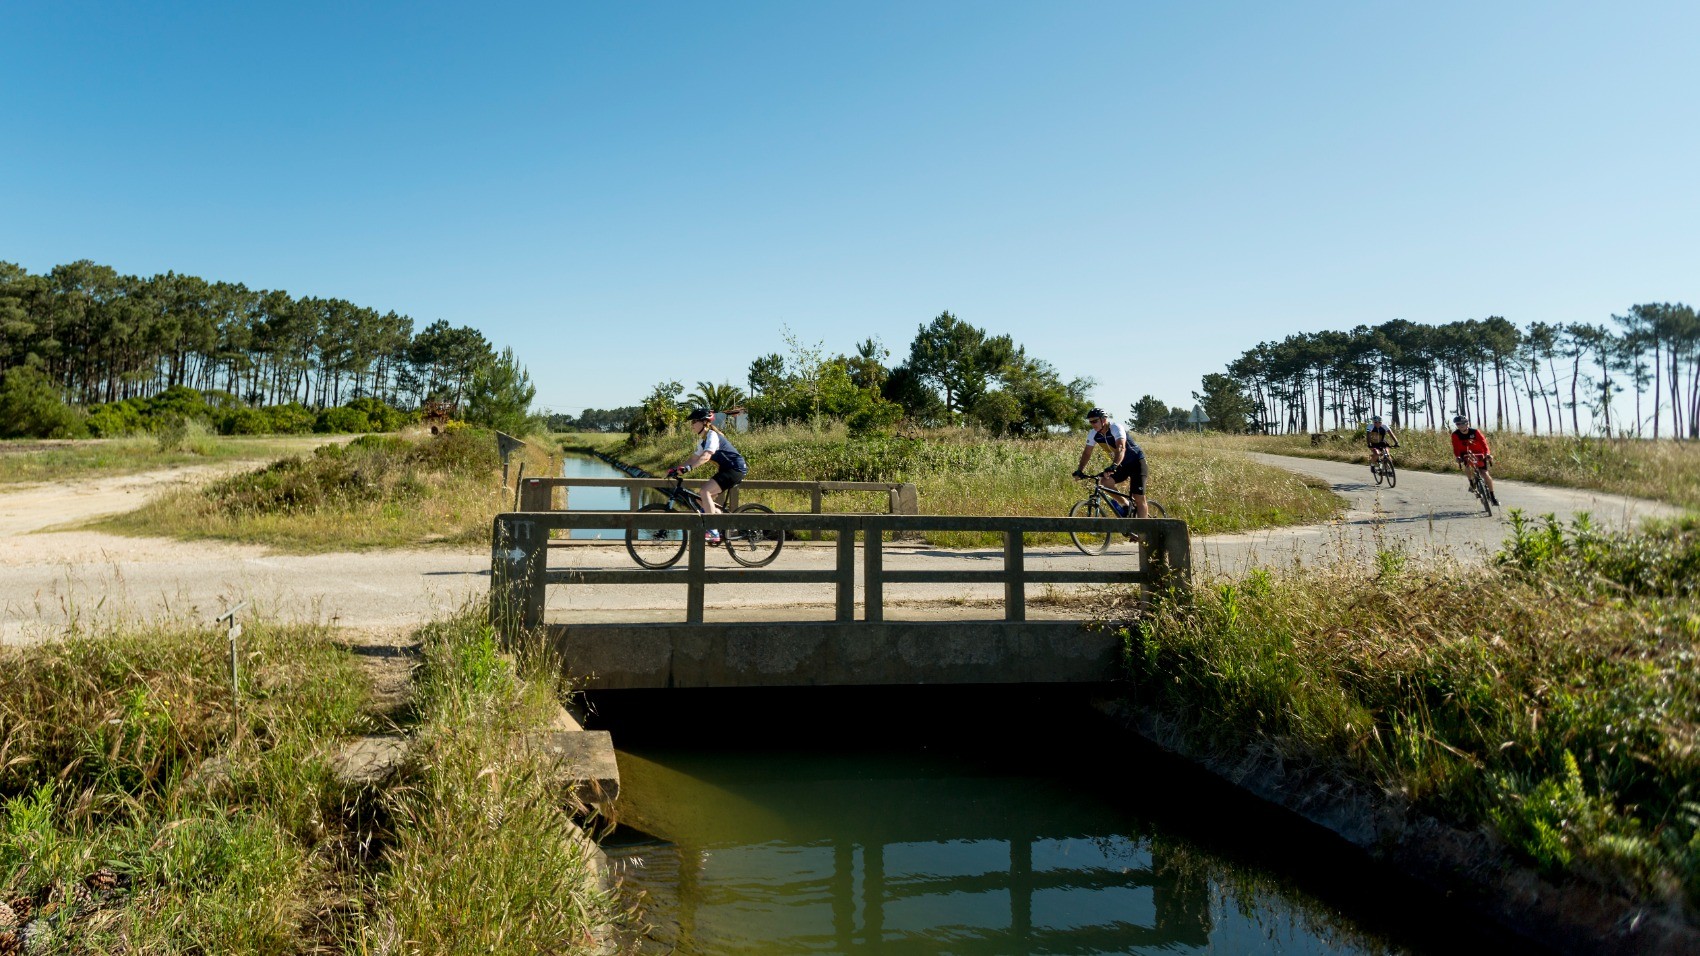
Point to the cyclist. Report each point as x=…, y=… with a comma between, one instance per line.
x=1470, y=441
x=1379, y=435
x=1127, y=459
x=715, y=447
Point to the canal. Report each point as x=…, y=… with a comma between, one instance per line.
x=971, y=821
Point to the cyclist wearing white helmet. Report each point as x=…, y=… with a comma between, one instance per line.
x=1127, y=458
x=715, y=447
x=1473, y=444
x=1379, y=435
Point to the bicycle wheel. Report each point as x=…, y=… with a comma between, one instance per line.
x=1154, y=509
x=752, y=547
x=1375, y=471
x=1091, y=542
x=1487, y=499
x=655, y=548
x=1392, y=473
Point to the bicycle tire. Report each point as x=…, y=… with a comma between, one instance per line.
x=655, y=548
x=1487, y=499
x=1155, y=509
x=751, y=547
x=1375, y=472
x=1091, y=542
x=1392, y=474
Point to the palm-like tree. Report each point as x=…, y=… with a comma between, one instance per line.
x=716, y=398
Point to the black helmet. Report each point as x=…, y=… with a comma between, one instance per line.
x=700, y=415
x=1096, y=413
x=1375, y=418
x=1460, y=420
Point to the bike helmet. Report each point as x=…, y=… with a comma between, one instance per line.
x=700, y=415
x=1096, y=413
x=1460, y=420
x=1375, y=419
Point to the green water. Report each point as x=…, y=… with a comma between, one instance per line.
x=819, y=832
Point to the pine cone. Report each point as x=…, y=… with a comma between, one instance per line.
x=22, y=908
x=101, y=882
x=11, y=943
x=8, y=919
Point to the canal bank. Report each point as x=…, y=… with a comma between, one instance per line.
x=902, y=819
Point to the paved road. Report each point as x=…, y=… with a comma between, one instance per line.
x=47, y=579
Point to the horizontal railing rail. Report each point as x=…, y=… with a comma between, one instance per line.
x=538, y=494
x=520, y=572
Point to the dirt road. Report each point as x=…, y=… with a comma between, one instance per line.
x=50, y=578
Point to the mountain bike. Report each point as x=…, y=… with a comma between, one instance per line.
x=1381, y=469
x=663, y=547
x=1478, y=487
x=1105, y=503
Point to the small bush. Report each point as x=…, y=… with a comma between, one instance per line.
x=31, y=407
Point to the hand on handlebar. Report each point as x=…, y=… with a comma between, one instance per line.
x=675, y=471
x=1078, y=474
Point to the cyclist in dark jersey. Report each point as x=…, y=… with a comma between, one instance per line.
x=1379, y=435
x=1127, y=458
x=712, y=446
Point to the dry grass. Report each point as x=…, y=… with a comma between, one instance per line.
x=28, y=461
x=378, y=491
x=962, y=472
x=1662, y=470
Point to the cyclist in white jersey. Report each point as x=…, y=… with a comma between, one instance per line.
x=716, y=447
x=1127, y=459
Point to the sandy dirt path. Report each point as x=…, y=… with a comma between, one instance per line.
x=48, y=579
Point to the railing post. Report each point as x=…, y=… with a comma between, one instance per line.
x=908, y=499
x=846, y=572
x=518, y=560
x=1015, y=583
x=535, y=495
x=873, y=570
x=1177, y=556
x=695, y=566
x=815, y=506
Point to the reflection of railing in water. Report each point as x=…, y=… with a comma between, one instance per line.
x=868, y=896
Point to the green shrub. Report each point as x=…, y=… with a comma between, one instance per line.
x=31, y=407
x=291, y=418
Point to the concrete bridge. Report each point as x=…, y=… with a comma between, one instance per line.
x=757, y=644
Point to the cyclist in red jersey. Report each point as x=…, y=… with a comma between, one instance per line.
x=1471, y=441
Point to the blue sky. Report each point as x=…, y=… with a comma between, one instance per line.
x=632, y=192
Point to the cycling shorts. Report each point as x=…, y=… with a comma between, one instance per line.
x=727, y=480
x=1378, y=445
x=1131, y=468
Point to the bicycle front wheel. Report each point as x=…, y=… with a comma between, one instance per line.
x=655, y=548
x=1392, y=474
x=1091, y=542
x=1487, y=499
x=754, y=547
x=1375, y=472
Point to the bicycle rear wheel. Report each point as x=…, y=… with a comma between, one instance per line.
x=754, y=547
x=1091, y=542
x=655, y=548
x=1154, y=509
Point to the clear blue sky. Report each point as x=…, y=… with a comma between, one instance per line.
x=1136, y=191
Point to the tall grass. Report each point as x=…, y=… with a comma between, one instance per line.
x=378, y=491
x=485, y=858
x=1551, y=698
x=145, y=809
x=963, y=472
x=109, y=832
x=1662, y=470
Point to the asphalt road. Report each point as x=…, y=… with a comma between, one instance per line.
x=49, y=578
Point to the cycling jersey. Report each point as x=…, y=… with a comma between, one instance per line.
x=1116, y=434
x=1472, y=441
x=721, y=452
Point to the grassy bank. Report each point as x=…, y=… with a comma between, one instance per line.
x=378, y=491
x=26, y=461
x=963, y=472
x=135, y=817
x=1659, y=470
x=1550, y=699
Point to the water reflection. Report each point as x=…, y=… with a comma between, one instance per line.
x=594, y=499
x=895, y=853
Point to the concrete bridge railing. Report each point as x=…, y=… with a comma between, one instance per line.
x=520, y=573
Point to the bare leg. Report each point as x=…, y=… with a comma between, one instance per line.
x=708, y=491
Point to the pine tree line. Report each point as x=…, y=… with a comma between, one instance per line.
x=1546, y=378
x=103, y=337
